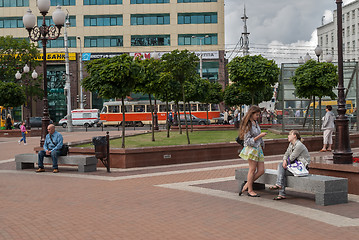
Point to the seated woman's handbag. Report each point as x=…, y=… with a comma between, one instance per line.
x=297, y=168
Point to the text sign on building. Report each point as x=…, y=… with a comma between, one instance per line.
x=92, y=56
x=205, y=55
x=56, y=57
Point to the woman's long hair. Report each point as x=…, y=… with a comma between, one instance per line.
x=246, y=123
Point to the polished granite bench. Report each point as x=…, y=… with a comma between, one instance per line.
x=328, y=190
x=84, y=163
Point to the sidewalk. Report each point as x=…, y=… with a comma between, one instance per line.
x=188, y=201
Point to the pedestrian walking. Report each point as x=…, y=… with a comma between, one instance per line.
x=328, y=126
x=23, y=133
x=252, y=136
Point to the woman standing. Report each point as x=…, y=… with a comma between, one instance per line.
x=328, y=126
x=23, y=133
x=296, y=151
x=250, y=132
x=8, y=122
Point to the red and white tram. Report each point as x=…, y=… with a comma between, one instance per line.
x=139, y=112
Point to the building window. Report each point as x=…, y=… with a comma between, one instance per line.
x=63, y=2
x=353, y=14
x=11, y=22
x=188, y=39
x=150, y=40
x=149, y=1
x=59, y=43
x=14, y=3
x=326, y=39
x=353, y=46
x=150, y=19
x=348, y=31
x=103, y=20
x=194, y=1
x=353, y=30
x=48, y=21
x=197, y=18
x=102, y=2
x=348, y=16
x=105, y=41
x=348, y=47
x=321, y=41
x=332, y=37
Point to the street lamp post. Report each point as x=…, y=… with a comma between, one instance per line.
x=81, y=76
x=200, y=57
x=156, y=56
x=44, y=34
x=18, y=76
x=67, y=76
x=318, y=52
x=307, y=57
x=342, y=152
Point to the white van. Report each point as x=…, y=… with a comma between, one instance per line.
x=82, y=117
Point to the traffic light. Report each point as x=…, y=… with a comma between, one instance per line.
x=84, y=98
x=78, y=98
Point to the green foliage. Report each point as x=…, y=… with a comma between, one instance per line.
x=214, y=93
x=234, y=97
x=11, y=95
x=113, y=77
x=150, y=82
x=253, y=73
x=315, y=79
x=14, y=54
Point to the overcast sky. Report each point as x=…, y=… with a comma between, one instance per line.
x=279, y=29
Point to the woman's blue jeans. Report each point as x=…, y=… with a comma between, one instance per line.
x=23, y=137
x=282, y=178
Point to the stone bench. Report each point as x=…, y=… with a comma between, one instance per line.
x=84, y=163
x=328, y=190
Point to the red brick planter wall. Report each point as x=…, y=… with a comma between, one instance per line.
x=153, y=156
x=17, y=133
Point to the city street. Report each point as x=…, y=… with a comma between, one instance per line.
x=188, y=201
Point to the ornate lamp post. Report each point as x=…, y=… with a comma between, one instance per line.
x=342, y=151
x=307, y=57
x=318, y=51
x=155, y=116
x=44, y=34
x=26, y=69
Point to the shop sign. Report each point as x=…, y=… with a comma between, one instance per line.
x=56, y=57
x=91, y=56
x=205, y=54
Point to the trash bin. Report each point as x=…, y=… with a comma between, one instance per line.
x=100, y=144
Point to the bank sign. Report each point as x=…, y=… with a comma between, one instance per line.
x=145, y=55
x=56, y=57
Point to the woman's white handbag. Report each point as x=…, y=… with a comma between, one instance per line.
x=297, y=168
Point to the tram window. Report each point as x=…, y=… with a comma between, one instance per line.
x=163, y=108
x=214, y=107
x=149, y=108
x=187, y=107
x=180, y=107
x=202, y=107
x=194, y=107
x=139, y=108
x=104, y=109
x=3, y=115
x=113, y=109
x=128, y=108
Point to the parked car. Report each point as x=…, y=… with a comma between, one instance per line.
x=34, y=122
x=195, y=120
x=82, y=117
x=220, y=119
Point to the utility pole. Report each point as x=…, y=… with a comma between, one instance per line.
x=67, y=75
x=245, y=33
x=81, y=77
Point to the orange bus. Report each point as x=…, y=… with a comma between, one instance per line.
x=138, y=113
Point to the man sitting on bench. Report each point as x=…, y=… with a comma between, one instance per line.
x=52, y=146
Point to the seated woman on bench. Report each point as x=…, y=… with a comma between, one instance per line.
x=296, y=151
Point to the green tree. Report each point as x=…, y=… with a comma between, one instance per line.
x=11, y=95
x=214, y=94
x=14, y=54
x=253, y=73
x=150, y=84
x=114, y=78
x=315, y=79
x=182, y=65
